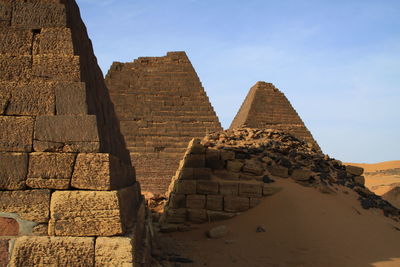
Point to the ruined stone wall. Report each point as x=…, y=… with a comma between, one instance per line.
x=67, y=186
x=161, y=105
x=266, y=107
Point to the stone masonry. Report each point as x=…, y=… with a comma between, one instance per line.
x=161, y=105
x=266, y=107
x=67, y=186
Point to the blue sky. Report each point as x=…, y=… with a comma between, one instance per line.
x=338, y=61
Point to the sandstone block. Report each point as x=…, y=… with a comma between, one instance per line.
x=202, y=173
x=250, y=190
x=359, y=180
x=5, y=14
x=115, y=251
x=213, y=159
x=54, y=41
x=186, y=174
x=175, y=215
x=13, y=170
x=100, y=171
x=253, y=167
x=15, y=67
x=218, y=232
x=8, y=227
x=196, y=201
x=196, y=147
x=228, y=188
x=219, y=215
x=4, y=100
x=177, y=201
x=234, y=165
x=32, y=99
x=215, y=202
x=354, y=170
x=74, y=133
x=195, y=161
x=255, y=201
x=57, y=67
x=4, y=243
x=36, y=15
x=227, y=155
x=197, y=215
x=50, y=170
x=278, y=171
x=207, y=187
x=185, y=187
x=53, y=251
x=271, y=190
x=15, y=42
x=236, y=204
x=226, y=175
x=30, y=205
x=71, y=98
x=248, y=176
x=16, y=134
x=92, y=213
x=301, y=174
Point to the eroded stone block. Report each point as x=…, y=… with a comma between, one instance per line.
x=16, y=134
x=236, y=204
x=57, y=67
x=54, y=41
x=115, y=251
x=215, y=202
x=71, y=98
x=354, y=170
x=250, y=190
x=30, y=205
x=13, y=170
x=185, y=187
x=8, y=227
x=228, y=188
x=197, y=215
x=196, y=201
x=207, y=187
x=13, y=67
x=15, y=41
x=37, y=15
x=53, y=251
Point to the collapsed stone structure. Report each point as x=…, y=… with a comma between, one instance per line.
x=230, y=171
x=266, y=107
x=161, y=105
x=68, y=194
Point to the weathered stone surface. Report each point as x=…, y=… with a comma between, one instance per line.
x=254, y=201
x=8, y=227
x=253, y=167
x=71, y=98
x=228, y=188
x=186, y=174
x=175, y=215
x=202, y=173
x=53, y=251
x=227, y=155
x=68, y=133
x=207, y=187
x=177, y=201
x=50, y=170
x=13, y=67
x=16, y=42
x=197, y=215
x=278, y=171
x=235, y=203
x=226, y=175
x=92, y=213
x=218, y=232
x=250, y=190
x=54, y=41
x=31, y=98
x=185, y=187
x=115, y=251
x=215, y=202
x=271, y=190
x=4, y=101
x=4, y=250
x=35, y=15
x=354, y=170
x=359, y=180
x=234, y=165
x=100, y=171
x=213, y=159
x=195, y=201
x=195, y=161
x=219, y=215
x=301, y=174
x=13, y=170
x=16, y=134
x=30, y=205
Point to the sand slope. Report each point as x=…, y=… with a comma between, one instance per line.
x=303, y=228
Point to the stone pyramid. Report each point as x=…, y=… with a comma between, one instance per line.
x=161, y=105
x=267, y=107
x=66, y=180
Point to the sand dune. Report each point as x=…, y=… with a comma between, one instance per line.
x=373, y=167
x=303, y=228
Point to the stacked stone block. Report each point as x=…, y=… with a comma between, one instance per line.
x=266, y=107
x=67, y=186
x=213, y=184
x=161, y=105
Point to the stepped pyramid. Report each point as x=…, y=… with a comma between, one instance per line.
x=267, y=107
x=67, y=185
x=161, y=105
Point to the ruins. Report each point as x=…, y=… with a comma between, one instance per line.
x=266, y=107
x=161, y=105
x=68, y=194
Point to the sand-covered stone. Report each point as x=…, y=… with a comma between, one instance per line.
x=13, y=170
x=53, y=251
x=115, y=251
x=30, y=205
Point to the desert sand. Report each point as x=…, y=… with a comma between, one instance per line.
x=303, y=227
x=373, y=167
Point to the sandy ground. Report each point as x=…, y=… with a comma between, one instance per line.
x=303, y=228
x=378, y=166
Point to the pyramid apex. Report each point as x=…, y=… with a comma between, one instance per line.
x=262, y=84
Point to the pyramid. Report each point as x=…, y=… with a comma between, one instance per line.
x=67, y=186
x=267, y=107
x=161, y=105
